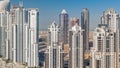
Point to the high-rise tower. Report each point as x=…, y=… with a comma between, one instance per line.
x=85, y=27
x=63, y=18
x=110, y=17
x=33, y=23
x=104, y=53
x=54, y=53
x=76, y=47
x=4, y=20
x=17, y=20
x=74, y=21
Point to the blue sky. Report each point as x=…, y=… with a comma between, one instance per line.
x=50, y=9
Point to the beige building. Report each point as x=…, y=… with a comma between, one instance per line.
x=104, y=52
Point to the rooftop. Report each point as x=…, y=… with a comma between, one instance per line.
x=63, y=11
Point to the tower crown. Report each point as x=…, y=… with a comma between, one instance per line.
x=63, y=11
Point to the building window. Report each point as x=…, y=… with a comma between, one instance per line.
x=100, y=43
x=107, y=44
x=107, y=61
x=54, y=58
x=98, y=64
x=98, y=37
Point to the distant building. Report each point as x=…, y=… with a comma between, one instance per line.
x=74, y=21
x=111, y=17
x=33, y=37
x=76, y=47
x=63, y=18
x=4, y=21
x=104, y=53
x=54, y=52
x=85, y=27
x=90, y=39
x=17, y=20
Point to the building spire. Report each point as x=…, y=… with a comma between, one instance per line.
x=63, y=11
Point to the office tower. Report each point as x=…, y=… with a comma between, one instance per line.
x=63, y=18
x=110, y=17
x=54, y=57
x=4, y=17
x=104, y=52
x=17, y=20
x=85, y=27
x=4, y=20
x=33, y=23
x=74, y=21
x=76, y=47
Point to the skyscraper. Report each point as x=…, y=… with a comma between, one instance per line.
x=4, y=20
x=104, y=53
x=63, y=18
x=85, y=27
x=33, y=23
x=17, y=30
x=110, y=17
x=74, y=21
x=54, y=53
x=76, y=47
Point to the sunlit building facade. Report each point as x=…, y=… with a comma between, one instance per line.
x=4, y=20
x=76, y=47
x=54, y=53
x=104, y=51
x=74, y=21
x=33, y=25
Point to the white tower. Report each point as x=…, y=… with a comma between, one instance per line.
x=76, y=47
x=104, y=52
x=110, y=17
x=4, y=20
x=33, y=23
x=54, y=49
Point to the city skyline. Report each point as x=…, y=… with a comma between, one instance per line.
x=36, y=34
x=49, y=12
